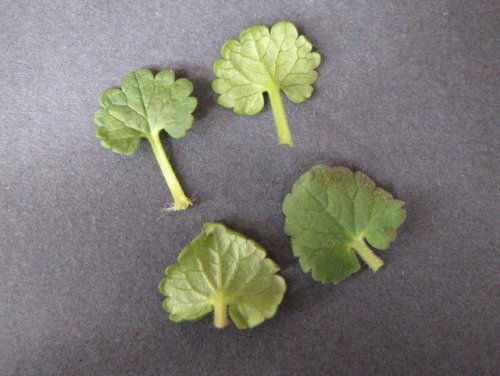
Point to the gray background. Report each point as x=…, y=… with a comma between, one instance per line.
x=407, y=93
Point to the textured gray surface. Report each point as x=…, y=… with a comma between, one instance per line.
x=407, y=93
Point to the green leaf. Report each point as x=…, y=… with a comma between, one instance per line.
x=143, y=107
x=330, y=215
x=264, y=60
x=220, y=270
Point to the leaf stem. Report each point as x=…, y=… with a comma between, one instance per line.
x=220, y=314
x=367, y=255
x=283, y=130
x=181, y=202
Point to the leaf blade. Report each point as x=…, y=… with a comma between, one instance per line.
x=144, y=105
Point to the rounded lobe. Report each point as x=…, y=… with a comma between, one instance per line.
x=165, y=78
x=285, y=28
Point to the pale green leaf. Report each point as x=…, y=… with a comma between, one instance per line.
x=264, y=60
x=220, y=271
x=330, y=215
x=143, y=107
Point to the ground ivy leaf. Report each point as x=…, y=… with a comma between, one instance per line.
x=144, y=106
x=330, y=215
x=264, y=60
x=222, y=270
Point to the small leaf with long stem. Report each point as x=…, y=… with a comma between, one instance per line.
x=143, y=107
